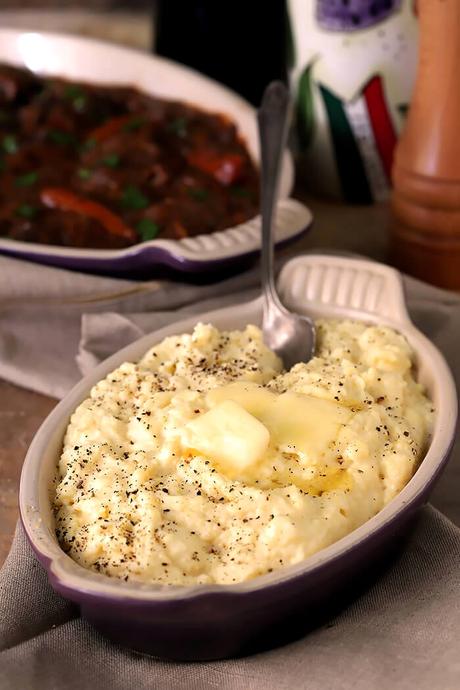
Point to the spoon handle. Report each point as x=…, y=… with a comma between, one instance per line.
x=273, y=118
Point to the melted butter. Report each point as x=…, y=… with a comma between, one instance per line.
x=329, y=479
x=255, y=399
x=299, y=426
x=303, y=423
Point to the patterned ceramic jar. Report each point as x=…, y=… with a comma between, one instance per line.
x=354, y=66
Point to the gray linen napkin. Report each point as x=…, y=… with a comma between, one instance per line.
x=55, y=324
x=401, y=634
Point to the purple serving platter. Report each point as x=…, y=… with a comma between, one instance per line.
x=217, y=621
x=99, y=62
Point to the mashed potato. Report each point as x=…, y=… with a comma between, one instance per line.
x=207, y=463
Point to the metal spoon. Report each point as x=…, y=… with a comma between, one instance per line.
x=291, y=336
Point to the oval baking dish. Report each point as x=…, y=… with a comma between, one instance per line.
x=96, y=62
x=215, y=621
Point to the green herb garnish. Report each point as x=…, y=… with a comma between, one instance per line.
x=133, y=199
x=61, y=138
x=84, y=173
x=112, y=160
x=179, y=127
x=10, y=144
x=198, y=194
x=26, y=211
x=88, y=145
x=79, y=104
x=133, y=124
x=73, y=91
x=147, y=229
x=26, y=180
x=77, y=95
x=240, y=191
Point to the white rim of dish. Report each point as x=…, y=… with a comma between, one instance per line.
x=293, y=218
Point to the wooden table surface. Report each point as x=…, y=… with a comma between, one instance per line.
x=357, y=229
x=21, y=413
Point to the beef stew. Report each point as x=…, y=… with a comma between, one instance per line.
x=109, y=166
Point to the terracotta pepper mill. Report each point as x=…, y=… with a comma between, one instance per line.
x=425, y=229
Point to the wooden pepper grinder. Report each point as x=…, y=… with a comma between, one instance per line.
x=425, y=232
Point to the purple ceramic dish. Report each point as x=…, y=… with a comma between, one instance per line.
x=216, y=621
x=200, y=254
x=98, y=62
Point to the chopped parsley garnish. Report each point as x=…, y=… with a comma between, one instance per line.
x=26, y=211
x=79, y=103
x=88, y=145
x=77, y=95
x=84, y=173
x=73, y=91
x=61, y=138
x=133, y=124
x=10, y=144
x=133, y=199
x=26, y=180
x=179, y=127
x=147, y=229
x=240, y=191
x=112, y=160
x=198, y=194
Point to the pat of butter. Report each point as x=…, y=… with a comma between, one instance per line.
x=304, y=423
x=296, y=422
x=255, y=399
x=230, y=436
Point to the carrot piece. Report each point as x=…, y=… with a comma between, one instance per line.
x=109, y=128
x=179, y=230
x=225, y=168
x=62, y=199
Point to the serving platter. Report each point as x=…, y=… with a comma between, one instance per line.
x=102, y=63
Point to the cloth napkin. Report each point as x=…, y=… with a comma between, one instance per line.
x=401, y=634
x=56, y=324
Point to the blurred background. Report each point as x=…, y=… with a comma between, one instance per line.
x=351, y=66
x=123, y=22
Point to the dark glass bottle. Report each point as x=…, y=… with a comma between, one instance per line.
x=241, y=43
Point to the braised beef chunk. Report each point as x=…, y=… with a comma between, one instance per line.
x=107, y=166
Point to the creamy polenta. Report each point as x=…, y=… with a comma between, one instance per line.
x=205, y=462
